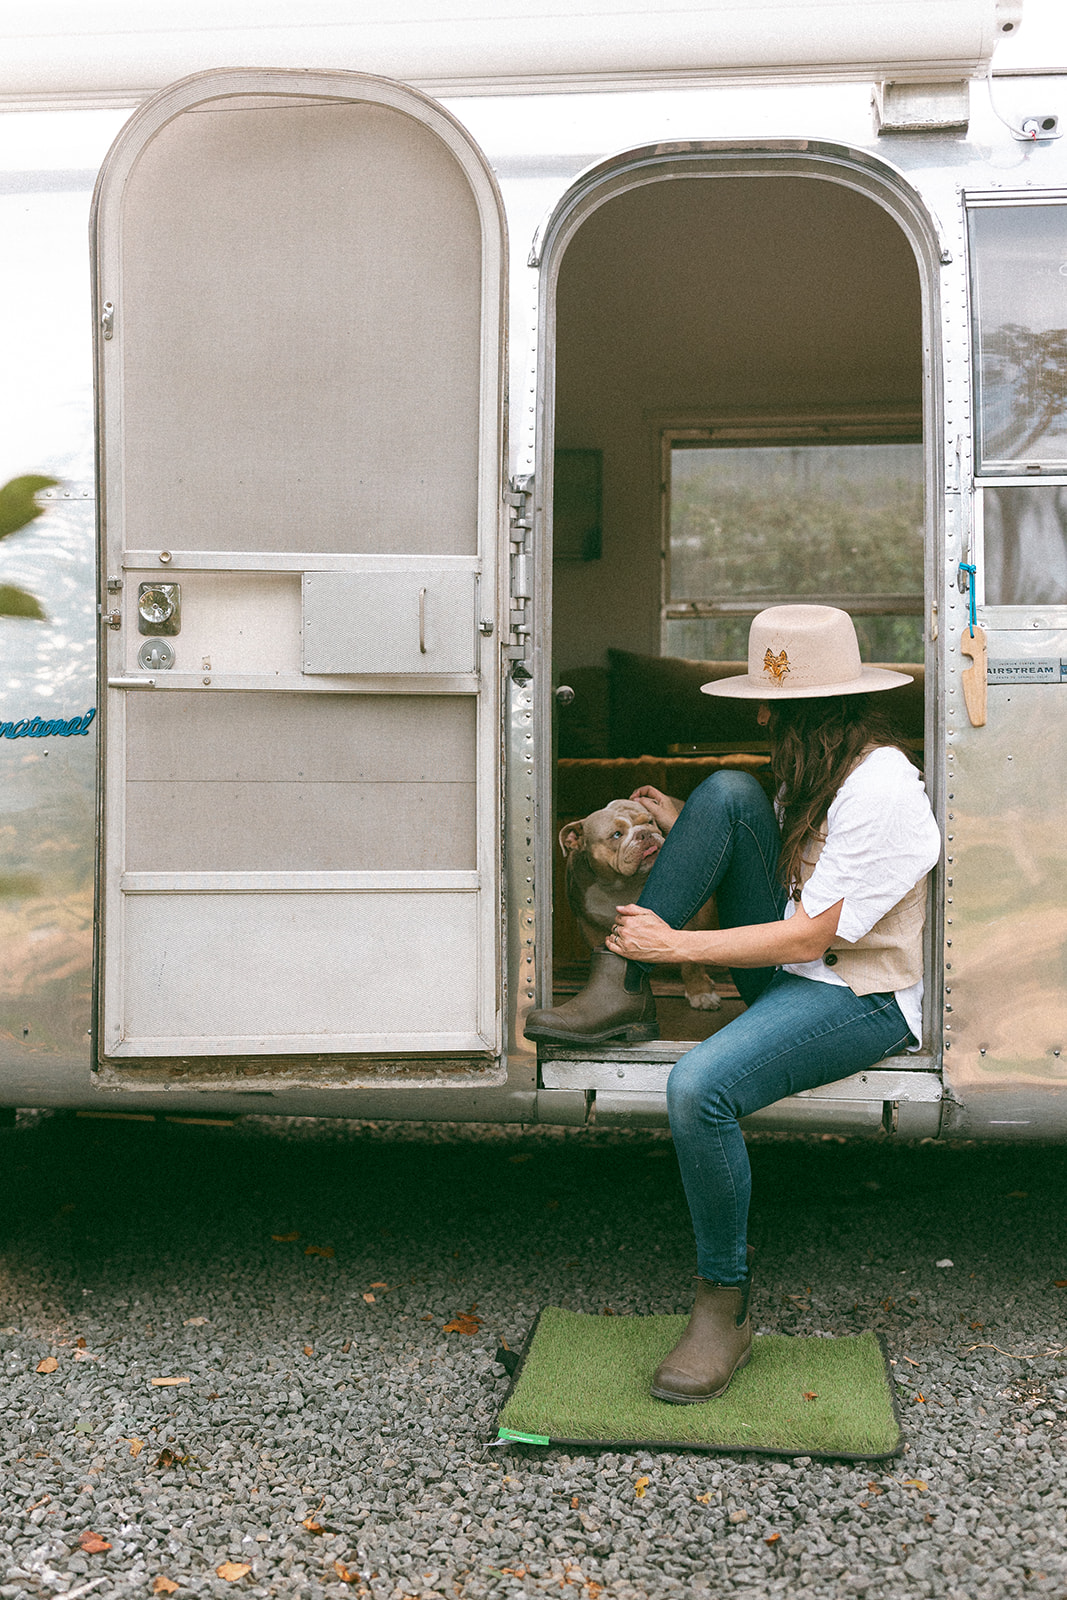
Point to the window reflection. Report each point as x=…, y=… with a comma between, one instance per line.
x=1026, y=545
x=1019, y=275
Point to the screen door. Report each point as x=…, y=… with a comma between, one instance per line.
x=298, y=290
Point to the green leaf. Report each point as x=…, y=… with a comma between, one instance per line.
x=18, y=503
x=17, y=603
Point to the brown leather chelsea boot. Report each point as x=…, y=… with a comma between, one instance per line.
x=716, y=1344
x=604, y=1009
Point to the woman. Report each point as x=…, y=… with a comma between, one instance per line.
x=821, y=903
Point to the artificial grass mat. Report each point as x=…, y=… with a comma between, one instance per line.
x=583, y=1380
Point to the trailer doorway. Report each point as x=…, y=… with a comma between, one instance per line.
x=737, y=410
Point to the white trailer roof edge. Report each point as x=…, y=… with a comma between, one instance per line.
x=57, y=55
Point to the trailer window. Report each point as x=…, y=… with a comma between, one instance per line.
x=754, y=524
x=1025, y=543
x=1018, y=257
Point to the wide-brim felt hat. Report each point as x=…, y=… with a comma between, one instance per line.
x=802, y=653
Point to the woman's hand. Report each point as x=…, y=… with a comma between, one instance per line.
x=640, y=935
x=664, y=808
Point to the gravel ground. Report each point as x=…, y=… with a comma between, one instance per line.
x=330, y=1443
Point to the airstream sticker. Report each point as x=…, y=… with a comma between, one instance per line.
x=1039, y=669
x=34, y=728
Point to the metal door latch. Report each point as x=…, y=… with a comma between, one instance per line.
x=159, y=608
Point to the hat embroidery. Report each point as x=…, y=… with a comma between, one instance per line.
x=777, y=666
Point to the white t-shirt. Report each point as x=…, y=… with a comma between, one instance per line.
x=881, y=838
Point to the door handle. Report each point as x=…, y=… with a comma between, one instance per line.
x=422, y=621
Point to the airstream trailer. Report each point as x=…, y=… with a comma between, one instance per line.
x=461, y=392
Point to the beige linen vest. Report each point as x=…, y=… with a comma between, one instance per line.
x=890, y=956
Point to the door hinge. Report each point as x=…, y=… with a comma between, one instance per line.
x=519, y=499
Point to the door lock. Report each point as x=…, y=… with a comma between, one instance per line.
x=159, y=608
x=156, y=655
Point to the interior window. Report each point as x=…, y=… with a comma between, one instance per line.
x=757, y=523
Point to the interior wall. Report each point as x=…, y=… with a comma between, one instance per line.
x=702, y=297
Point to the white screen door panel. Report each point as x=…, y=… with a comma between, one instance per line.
x=299, y=287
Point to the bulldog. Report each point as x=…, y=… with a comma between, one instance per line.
x=609, y=855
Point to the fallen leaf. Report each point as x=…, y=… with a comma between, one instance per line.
x=346, y=1347
x=320, y=1250
x=809, y=1394
x=167, y=1383
x=977, y=1327
x=312, y=1526
x=346, y=1574
x=79, y=1344
x=285, y=1238
x=705, y=1499
x=772, y=1538
x=919, y=1399
x=1060, y=1283
x=370, y=1298
x=640, y=1486
x=136, y=1446
x=309, y=1350
x=49, y=1364
x=504, y=1345
x=379, y=1285
x=463, y=1322
x=194, y=1322
x=574, y=1502
x=875, y=1488
x=518, y=1160
x=914, y=1483
x=92, y=1543
x=233, y=1571
x=609, y=1312
x=162, y=1585
x=171, y=1458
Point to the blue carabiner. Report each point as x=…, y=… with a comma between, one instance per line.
x=971, y=570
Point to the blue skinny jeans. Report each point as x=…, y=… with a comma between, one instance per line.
x=795, y=1033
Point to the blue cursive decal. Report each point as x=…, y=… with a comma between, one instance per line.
x=36, y=729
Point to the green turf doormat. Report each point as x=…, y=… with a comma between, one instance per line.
x=583, y=1380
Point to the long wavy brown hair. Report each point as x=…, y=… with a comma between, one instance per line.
x=814, y=743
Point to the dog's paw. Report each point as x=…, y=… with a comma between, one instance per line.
x=705, y=1000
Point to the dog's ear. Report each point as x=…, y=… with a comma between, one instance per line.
x=572, y=837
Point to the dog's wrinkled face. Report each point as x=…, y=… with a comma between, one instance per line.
x=621, y=841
